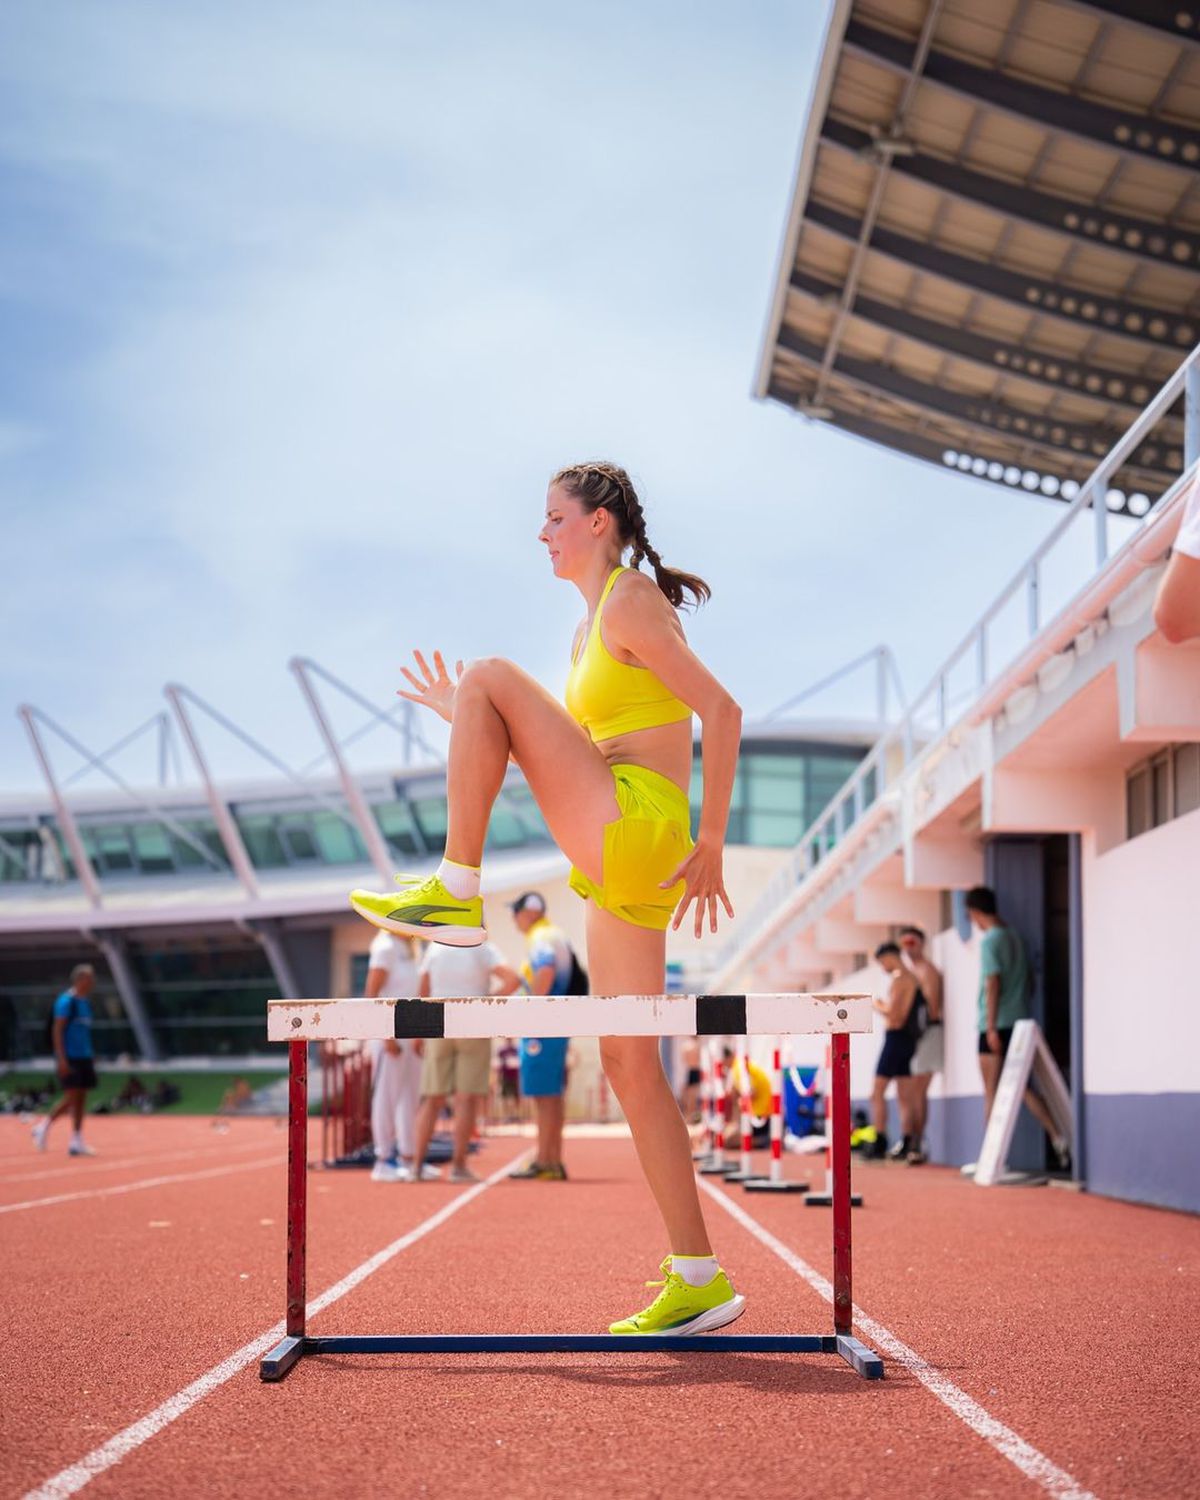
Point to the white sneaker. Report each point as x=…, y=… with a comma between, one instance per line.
x=80, y=1148
x=462, y=1174
x=383, y=1171
x=40, y=1131
x=429, y=1173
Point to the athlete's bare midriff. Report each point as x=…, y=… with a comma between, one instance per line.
x=667, y=750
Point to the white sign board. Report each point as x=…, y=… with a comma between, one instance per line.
x=1028, y=1059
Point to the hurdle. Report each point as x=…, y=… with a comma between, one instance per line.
x=299, y=1022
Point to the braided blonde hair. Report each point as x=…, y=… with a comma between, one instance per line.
x=605, y=486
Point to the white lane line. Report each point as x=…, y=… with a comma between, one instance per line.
x=117, y=1164
x=1031, y=1462
x=108, y=1454
x=137, y=1187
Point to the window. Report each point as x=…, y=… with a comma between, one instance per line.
x=262, y=841
x=399, y=827
x=1165, y=786
x=337, y=842
x=430, y=813
x=152, y=847
x=1187, y=779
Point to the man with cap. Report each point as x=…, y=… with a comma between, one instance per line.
x=549, y=964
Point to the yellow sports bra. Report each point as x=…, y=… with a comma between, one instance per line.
x=610, y=697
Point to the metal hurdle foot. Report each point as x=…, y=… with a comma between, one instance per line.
x=620, y=1015
x=767, y=1185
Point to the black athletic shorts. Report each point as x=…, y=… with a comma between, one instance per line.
x=693, y=1078
x=1005, y=1035
x=895, y=1057
x=81, y=1073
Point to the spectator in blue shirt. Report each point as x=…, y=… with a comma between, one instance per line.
x=547, y=970
x=73, y=1058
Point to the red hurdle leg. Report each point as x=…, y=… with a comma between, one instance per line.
x=279, y=1361
x=839, y=1104
x=297, y=1207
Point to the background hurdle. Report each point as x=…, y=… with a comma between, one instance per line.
x=300, y=1022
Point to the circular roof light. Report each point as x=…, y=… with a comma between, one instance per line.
x=1030, y=480
x=1049, y=484
x=1069, y=489
x=1012, y=475
x=950, y=457
x=1139, y=504
x=995, y=470
x=1115, y=499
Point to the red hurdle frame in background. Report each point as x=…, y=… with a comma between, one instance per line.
x=297, y=1342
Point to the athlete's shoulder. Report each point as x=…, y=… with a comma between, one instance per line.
x=637, y=606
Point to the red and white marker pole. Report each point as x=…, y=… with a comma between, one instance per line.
x=826, y=1199
x=716, y=1165
x=777, y=1113
x=746, y=1166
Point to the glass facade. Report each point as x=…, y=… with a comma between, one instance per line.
x=780, y=789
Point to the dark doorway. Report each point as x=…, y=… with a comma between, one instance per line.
x=1035, y=881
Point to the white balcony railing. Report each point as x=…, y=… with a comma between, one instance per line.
x=974, y=665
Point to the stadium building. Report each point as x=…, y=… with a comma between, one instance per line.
x=992, y=263
x=200, y=899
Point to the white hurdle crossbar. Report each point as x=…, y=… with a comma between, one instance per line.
x=299, y=1022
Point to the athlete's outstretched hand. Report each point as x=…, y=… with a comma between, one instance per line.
x=705, y=883
x=437, y=691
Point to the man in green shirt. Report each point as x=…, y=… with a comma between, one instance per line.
x=1004, y=984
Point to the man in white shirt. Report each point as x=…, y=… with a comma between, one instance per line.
x=1177, y=608
x=396, y=1066
x=462, y=1068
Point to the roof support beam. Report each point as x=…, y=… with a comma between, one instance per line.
x=1160, y=17
x=1010, y=422
x=1141, y=323
x=1066, y=114
x=62, y=812
x=116, y=956
x=883, y=164
x=367, y=826
x=998, y=356
x=231, y=835
x=984, y=463
x=1144, y=239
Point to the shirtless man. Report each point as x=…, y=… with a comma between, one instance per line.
x=899, y=1010
x=928, y=1057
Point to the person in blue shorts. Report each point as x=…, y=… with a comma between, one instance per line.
x=73, y=1058
x=546, y=971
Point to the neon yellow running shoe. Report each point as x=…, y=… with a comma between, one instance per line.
x=425, y=909
x=681, y=1309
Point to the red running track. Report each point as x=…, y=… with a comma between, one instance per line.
x=1060, y=1325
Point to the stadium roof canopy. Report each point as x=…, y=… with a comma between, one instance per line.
x=992, y=259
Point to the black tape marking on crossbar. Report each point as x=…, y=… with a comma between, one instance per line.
x=419, y=1018
x=720, y=1015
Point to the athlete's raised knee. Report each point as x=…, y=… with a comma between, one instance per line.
x=486, y=672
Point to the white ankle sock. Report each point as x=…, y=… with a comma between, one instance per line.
x=460, y=880
x=696, y=1270
x=77, y=1138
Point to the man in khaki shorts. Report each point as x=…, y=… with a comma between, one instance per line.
x=929, y=1055
x=451, y=1067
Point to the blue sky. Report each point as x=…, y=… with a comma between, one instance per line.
x=300, y=305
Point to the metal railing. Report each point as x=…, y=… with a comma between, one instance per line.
x=942, y=703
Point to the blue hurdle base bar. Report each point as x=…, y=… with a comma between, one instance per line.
x=280, y=1360
x=300, y=1022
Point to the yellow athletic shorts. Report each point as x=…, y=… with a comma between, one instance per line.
x=642, y=848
